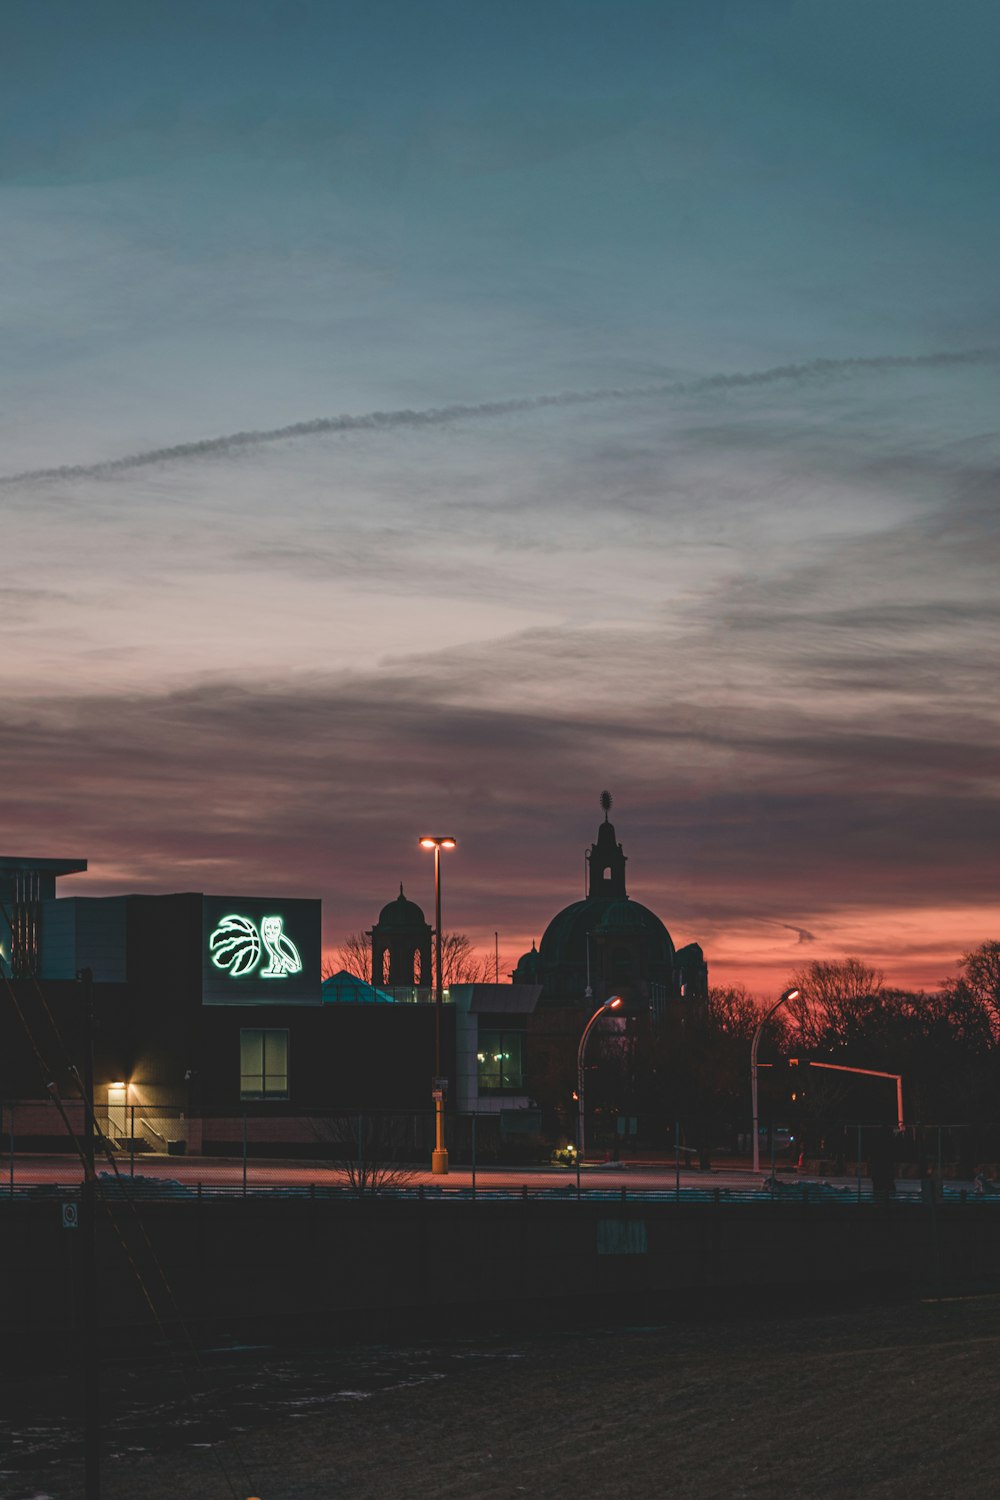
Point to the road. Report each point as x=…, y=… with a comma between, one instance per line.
x=65, y=1170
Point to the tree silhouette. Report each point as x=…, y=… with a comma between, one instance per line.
x=460, y=961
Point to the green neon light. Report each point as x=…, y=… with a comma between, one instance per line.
x=236, y=947
x=282, y=951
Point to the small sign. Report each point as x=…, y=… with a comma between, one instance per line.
x=622, y=1237
x=70, y=1216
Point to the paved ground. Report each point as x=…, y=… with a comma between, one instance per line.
x=870, y=1403
x=33, y=1170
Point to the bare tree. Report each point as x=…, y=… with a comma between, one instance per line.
x=733, y=1012
x=355, y=955
x=980, y=980
x=368, y=1150
x=837, y=1002
x=461, y=964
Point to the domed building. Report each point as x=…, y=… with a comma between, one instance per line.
x=401, y=945
x=608, y=944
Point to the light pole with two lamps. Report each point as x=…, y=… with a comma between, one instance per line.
x=782, y=999
x=439, y=1156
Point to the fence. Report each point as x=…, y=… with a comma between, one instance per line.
x=250, y=1151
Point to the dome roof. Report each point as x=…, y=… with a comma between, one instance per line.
x=629, y=916
x=526, y=968
x=607, y=941
x=401, y=913
x=576, y=919
x=565, y=938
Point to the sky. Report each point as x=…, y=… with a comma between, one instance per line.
x=421, y=416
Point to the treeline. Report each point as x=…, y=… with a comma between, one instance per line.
x=695, y=1067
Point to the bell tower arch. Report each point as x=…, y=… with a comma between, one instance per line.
x=401, y=945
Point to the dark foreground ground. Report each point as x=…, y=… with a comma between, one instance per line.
x=887, y=1401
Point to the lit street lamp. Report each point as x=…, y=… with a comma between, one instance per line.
x=439, y=1156
x=785, y=996
x=610, y=1004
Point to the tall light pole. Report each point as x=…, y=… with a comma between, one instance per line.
x=439, y=1156
x=785, y=996
x=610, y=1004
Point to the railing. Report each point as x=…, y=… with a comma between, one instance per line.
x=257, y=1150
x=357, y=992
x=490, y=1187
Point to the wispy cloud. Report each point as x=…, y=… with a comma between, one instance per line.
x=382, y=421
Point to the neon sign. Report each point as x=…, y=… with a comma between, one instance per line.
x=238, y=946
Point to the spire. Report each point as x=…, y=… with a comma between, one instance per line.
x=607, y=860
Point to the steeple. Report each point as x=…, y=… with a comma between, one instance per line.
x=607, y=861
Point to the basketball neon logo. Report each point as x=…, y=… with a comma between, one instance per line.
x=238, y=947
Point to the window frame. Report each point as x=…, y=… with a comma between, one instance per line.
x=264, y=1094
x=503, y=1035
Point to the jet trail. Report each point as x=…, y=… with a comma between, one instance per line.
x=440, y=416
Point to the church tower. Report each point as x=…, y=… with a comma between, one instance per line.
x=607, y=860
x=609, y=944
x=401, y=946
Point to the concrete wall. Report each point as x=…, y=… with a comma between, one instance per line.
x=305, y=1265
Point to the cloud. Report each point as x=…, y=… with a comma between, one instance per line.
x=322, y=787
x=801, y=933
x=383, y=421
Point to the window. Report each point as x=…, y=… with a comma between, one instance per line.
x=501, y=1062
x=263, y=1064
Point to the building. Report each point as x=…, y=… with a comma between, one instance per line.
x=212, y=1023
x=609, y=944
x=208, y=1011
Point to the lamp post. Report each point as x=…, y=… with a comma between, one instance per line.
x=439, y=1156
x=610, y=1004
x=781, y=1000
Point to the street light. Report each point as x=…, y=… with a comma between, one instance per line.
x=439, y=1156
x=781, y=1000
x=610, y=1004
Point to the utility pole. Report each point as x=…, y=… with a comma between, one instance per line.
x=90, y=1367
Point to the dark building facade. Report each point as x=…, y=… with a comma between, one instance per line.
x=210, y=1021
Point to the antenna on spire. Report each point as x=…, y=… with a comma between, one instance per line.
x=606, y=804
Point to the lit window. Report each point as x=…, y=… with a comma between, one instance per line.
x=263, y=1064
x=500, y=1062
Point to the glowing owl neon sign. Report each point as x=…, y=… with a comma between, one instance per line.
x=238, y=947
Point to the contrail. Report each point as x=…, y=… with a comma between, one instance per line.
x=440, y=416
